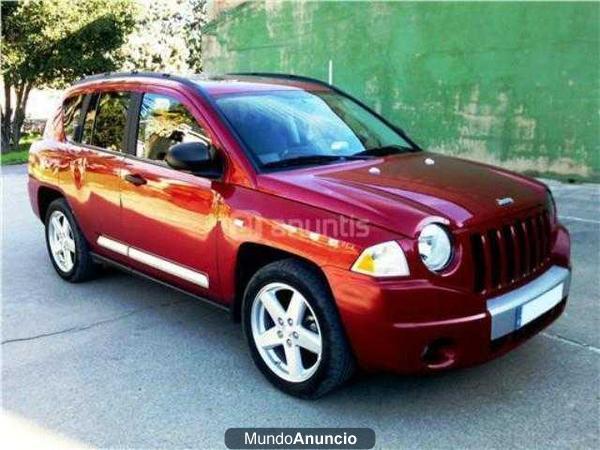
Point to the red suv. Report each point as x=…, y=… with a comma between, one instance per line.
x=320, y=225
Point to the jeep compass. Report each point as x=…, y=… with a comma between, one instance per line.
x=324, y=228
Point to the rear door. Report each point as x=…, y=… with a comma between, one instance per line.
x=94, y=175
x=169, y=216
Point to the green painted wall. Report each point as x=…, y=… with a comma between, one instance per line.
x=515, y=84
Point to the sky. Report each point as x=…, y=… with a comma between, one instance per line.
x=41, y=102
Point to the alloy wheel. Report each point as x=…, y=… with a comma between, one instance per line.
x=62, y=242
x=286, y=332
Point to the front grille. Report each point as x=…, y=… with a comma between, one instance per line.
x=502, y=256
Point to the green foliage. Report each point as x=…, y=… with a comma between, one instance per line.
x=15, y=157
x=20, y=155
x=53, y=42
x=50, y=43
x=166, y=37
x=193, y=33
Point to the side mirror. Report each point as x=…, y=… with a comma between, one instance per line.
x=192, y=156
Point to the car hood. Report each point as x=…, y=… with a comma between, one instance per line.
x=399, y=192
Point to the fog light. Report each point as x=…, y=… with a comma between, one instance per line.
x=440, y=354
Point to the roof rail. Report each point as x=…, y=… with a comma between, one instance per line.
x=134, y=73
x=333, y=88
x=284, y=76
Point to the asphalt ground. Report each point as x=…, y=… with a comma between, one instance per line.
x=123, y=362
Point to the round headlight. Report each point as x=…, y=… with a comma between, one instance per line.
x=435, y=247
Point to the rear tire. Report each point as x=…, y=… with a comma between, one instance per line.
x=294, y=332
x=67, y=247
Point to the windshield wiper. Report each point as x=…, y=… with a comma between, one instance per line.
x=310, y=159
x=384, y=150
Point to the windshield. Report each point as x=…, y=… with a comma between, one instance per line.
x=283, y=127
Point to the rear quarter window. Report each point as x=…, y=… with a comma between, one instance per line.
x=71, y=116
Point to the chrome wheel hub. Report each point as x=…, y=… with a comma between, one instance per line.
x=62, y=242
x=286, y=332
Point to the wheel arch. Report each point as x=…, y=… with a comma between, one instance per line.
x=45, y=196
x=251, y=257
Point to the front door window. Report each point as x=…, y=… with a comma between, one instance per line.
x=164, y=122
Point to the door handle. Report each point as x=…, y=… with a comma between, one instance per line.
x=135, y=179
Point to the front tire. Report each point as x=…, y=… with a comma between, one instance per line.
x=67, y=247
x=293, y=330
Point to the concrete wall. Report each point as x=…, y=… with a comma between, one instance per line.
x=507, y=83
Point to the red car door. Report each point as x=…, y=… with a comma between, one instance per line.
x=96, y=154
x=169, y=216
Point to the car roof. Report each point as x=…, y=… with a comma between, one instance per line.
x=215, y=85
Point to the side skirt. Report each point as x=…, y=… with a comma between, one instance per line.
x=104, y=260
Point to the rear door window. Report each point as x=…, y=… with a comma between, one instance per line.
x=72, y=116
x=106, y=119
x=90, y=118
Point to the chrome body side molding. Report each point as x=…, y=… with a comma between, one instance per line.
x=110, y=244
x=154, y=261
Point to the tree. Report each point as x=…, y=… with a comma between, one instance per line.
x=166, y=37
x=193, y=33
x=49, y=43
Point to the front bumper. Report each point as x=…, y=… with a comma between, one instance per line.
x=517, y=308
x=414, y=326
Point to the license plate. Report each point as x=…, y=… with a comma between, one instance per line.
x=535, y=308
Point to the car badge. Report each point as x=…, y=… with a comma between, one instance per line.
x=505, y=201
x=429, y=161
x=374, y=171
